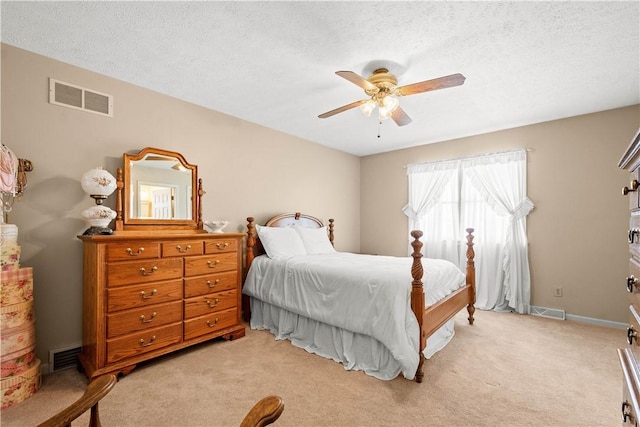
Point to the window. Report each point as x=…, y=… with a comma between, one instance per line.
x=487, y=193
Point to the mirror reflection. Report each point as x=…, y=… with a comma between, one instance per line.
x=160, y=188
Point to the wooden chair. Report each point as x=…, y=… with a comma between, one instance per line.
x=96, y=390
x=265, y=412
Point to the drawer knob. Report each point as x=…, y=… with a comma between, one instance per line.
x=212, y=324
x=631, y=334
x=627, y=415
x=633, y=233
x=213, y=264
x=213, y=285
x=130, y=251
x=222, y=245
x=634, y=186
x=632, y=282
x=150, y=272
x=144, y=295
x=212, y=304
x=181, y=250
x=147, y=344
x=145, y=320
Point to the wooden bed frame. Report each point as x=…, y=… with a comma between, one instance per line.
x=430, y=318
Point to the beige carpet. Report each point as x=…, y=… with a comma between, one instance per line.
x=506, y=370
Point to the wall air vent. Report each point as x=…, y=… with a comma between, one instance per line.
x=79, y=98
x=63, y=358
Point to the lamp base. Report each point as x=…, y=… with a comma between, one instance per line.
x=97, y=230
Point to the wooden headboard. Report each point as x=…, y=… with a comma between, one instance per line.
x=254, y=247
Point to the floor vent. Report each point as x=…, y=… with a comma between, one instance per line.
x=79, y=98
x=552, y=313
x=63, y=358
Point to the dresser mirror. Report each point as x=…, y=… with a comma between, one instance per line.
x=158, y=188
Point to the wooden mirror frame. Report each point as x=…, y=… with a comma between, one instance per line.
x=124, y=221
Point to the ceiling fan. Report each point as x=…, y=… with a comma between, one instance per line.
x=383, y=90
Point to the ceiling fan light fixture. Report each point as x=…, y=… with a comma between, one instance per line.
x=367, y=107
x=390, y=103
x=387, y=106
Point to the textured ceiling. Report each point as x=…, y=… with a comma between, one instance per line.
x=273, y=63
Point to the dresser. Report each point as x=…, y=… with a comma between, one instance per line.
x=630, y=355
x=146, y=294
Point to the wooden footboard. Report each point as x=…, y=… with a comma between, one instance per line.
x=431, y=318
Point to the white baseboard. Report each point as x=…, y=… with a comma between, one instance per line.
x=597, y=322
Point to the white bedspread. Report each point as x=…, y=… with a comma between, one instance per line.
x=365, y=294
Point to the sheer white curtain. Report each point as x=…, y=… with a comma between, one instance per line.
x=434, y=207
x=487, y=193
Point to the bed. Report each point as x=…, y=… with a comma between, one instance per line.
x=369, y=312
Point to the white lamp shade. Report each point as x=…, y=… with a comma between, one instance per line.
x=98, y=216
x=98, y=182
x=367, y=107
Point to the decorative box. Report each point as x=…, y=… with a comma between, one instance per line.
x=8, y=234
x=16, y=286
x=18, y=338
x=9, y=256
x=14, y=315
x=16, y=363
x=19, y=387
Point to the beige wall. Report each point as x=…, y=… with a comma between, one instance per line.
x=577, y=232
x=247, y=170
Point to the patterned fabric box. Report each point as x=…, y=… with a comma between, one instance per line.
x=20, y=387
x=15, y=339
x=9, y=256
x=16, y=363
x=16, y=286
x=14, y=315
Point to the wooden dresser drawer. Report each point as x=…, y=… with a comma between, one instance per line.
x=125, y=273
x=210, y=323
x=632, y=284
x=630, y=389
x=633, y=332
x=125, y=297
x=125, y=322
x=207, y=304
x=202, y=285
x=139, y=250
x=221, y=245
x=195, y=266
x=184, y=248
x=634, y=196
x=143, y=342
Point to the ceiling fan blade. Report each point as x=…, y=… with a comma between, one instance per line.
x=400, y=117
x=429, y=85
x=341, y=109
x=358, y=80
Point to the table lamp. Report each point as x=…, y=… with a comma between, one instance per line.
x=98, y=184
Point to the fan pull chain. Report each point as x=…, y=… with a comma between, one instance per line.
x=379, y=123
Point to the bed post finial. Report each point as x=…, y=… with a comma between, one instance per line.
x=331, y=231
x=471, y=275
x=417, y=296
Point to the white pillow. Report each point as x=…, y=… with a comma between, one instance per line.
x=280, y=242
x=316, y=240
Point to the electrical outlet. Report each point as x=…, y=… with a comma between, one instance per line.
x=557, y=292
